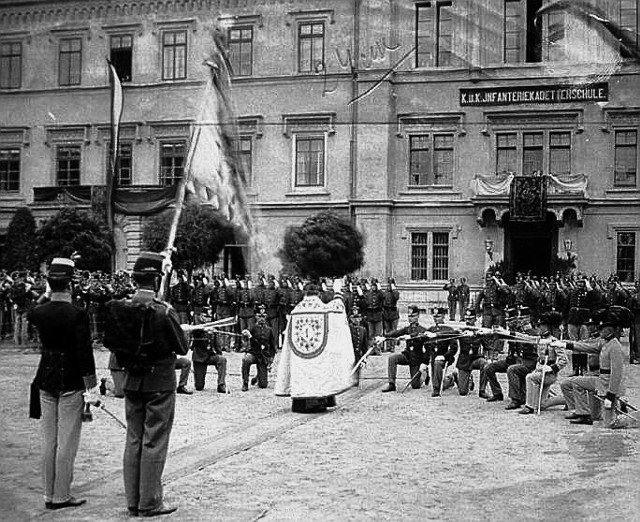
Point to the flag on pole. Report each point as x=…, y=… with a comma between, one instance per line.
x=116, y=114
x=213, y=174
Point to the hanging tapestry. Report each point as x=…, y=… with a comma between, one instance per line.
x=528, y=198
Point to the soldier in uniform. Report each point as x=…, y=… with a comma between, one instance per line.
x=580, y=305
x=443, y=352
x=415, y=354
x=200, y=297
x=245, y=298
x=373, y=300
x=452, y=298
x=526, y=359
x=150, y=392
x=261, y=350
x=66, y=370
x=608, y=385
x=390, y=313
x=270, y=300
x=463, y=297
x=224, y=297
x=492, y=301
x=206, y=352
x=180, y=297
x=359, y=339
x=550, y=361
x=471, y=356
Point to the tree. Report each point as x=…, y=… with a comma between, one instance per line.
x=201, y=236
x=325, y=245
x=72, y=231
x=20, y=248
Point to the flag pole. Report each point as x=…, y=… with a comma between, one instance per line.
x=116, y=114
x=180, y=196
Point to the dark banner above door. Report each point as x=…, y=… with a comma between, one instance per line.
x=528, y=198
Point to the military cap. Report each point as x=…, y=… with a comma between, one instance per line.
x=614, y=316
x=148, y=263
x=61, y=269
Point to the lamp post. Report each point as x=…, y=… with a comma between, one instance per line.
x=488, y=246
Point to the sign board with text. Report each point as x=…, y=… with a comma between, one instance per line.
x=596, y=92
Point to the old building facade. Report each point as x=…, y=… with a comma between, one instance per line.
x=454, y=133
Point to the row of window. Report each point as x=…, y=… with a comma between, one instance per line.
x=522, y=42
x=430, y=159
x=430, y=256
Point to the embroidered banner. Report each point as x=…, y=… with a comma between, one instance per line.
x=528, y=198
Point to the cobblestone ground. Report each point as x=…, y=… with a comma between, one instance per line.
x=396, y=456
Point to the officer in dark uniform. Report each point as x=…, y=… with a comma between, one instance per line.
x=150, y=391
x=414, y=355
x=200, y=297
x=359, y=339
x=245, y=298
x=206, y=352
x=180, y=297
x=581, y=303
x=471, y=356
x=390, y=313
x=373, y=299
x=261, y=350
x=270, y=300
x=224, y=297
x=443, y=352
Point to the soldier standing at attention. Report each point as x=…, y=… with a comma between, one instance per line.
x=66, y=369
x=452, y=298
x=390, y=313
x=463, y=297
x=149, y=388
x=359, y=339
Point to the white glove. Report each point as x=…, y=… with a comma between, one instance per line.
x=558, y=344
x=379, y=339
x=246, y=333
x=468, y=333
x=440, y=358
x=485, y=331
x=608, y=404
x=430, y=335
x=546, y=369
x=167, y=265
x=337, y=286
x=545, y=341
x=423, y=367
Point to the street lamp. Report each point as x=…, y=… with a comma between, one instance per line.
x=488, y=246
x=567, y=245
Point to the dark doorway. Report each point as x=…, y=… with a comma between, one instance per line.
x=234, y=262
x=530, y=247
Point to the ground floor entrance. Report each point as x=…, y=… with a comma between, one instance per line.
x=530, y=246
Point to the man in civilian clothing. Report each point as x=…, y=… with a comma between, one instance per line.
x=149, y=384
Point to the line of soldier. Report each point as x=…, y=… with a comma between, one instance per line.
x=577, y=298
x=241, y=297
x=532, y=354
x=20, y=291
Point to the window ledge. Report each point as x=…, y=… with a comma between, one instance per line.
x=623, y=190
x=303, y=193
x=11, y=196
